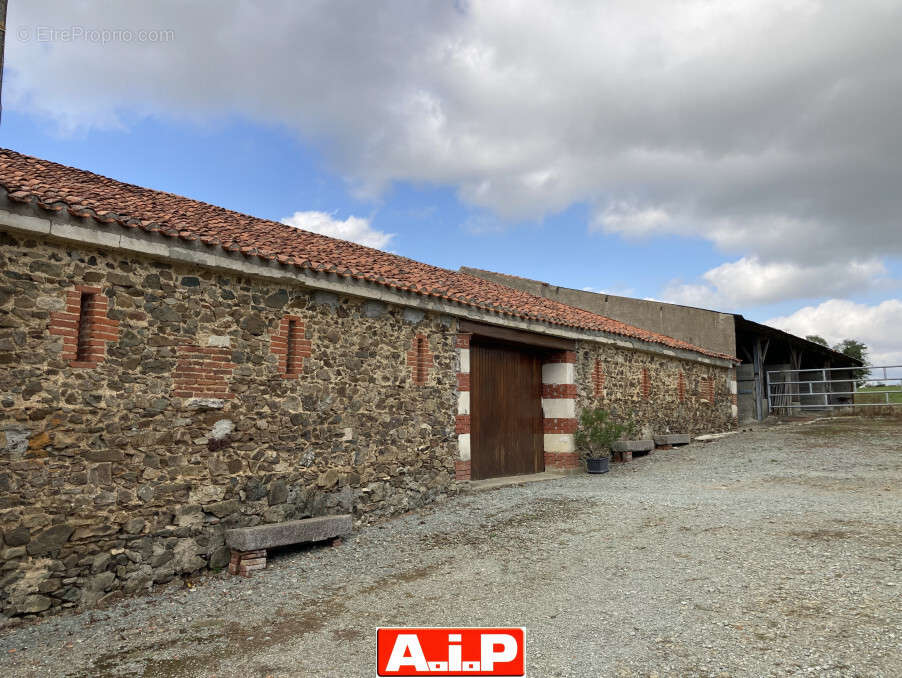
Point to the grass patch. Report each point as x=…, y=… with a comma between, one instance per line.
x=878, y=395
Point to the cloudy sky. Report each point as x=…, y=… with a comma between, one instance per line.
x=742, y=155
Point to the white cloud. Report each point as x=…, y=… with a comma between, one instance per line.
x=749, y=281
x=742, y=122
x=876, y=325
x=355, y=229
x=768, y=127
x=628, y=219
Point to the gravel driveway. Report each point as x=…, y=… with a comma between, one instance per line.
x=775, y=552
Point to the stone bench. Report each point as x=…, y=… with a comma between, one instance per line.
x=623, y=449
x=668, y=440
x=249, y=544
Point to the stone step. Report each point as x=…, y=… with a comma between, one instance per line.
x=289, y=532
x=632, y=445
x=672, y=439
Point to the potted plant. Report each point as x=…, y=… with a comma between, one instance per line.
x=596, y=431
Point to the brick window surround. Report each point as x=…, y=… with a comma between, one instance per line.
x=645, y=387
x=84, y=326
x=598, y=379
x=419, y=359
x=681, y=386
x=290, y=346
x=706, y=390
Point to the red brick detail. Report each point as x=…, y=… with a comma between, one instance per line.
x=734, y=398
x=645, y=386
x=202, y=372
x=463, y=340
x=562, y=357
x=462, y=423
x=562, y=461
x=290, y=345
x=461, y=470
x=561, y=425
x=419, y=359
x=598, y=379
x=622, y=456
x=681, y=386
x=463, y=381
x=84, y=326
x=567, y=391
x=706, y=390
x=247, y=562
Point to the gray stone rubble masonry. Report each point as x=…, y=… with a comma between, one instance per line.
x=123, y=475
x=649, y=390
x=111, y=482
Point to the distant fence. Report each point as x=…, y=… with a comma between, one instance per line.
x=790, y=391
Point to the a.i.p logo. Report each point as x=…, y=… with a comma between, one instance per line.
x=450, y=651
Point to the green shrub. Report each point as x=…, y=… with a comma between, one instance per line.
x=597, y=430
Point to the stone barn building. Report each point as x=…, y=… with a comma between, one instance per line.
x=169, y=368
x=760, y=348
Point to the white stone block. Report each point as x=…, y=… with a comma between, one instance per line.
x=145, y=245
x=559, y=408
x=92, y=236
x=465, y=360
x=463, y=446
x=204, y=403
x=558, y=373
x=221, y=429
x=32, y=224
x=559, y=442
x=219, y=341
x=463, y=402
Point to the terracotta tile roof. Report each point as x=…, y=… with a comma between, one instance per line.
x=59, y=188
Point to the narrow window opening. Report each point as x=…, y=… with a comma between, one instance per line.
x=598, y=378
x=421, y=360
x=291, y=357
x=83, y=346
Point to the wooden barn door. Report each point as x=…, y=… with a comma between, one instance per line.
x=505, y=411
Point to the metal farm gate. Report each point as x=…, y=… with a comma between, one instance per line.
x=826, y=388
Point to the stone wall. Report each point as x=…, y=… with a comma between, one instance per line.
x=659, y=393
x=145, y=406
x=203, y=400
